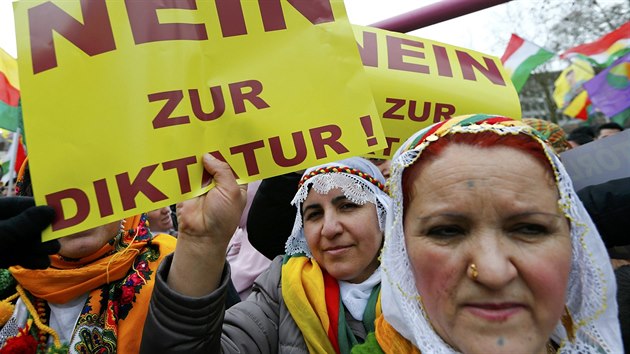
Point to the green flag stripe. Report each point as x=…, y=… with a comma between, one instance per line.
x=521, y=74
x=9, y=117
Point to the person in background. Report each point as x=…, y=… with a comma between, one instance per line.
x=271, y=216
x=94, y=295
x=489, y=249
x=246, y=263
x=608, y=204
x=608, y=129
x=384, y=166
x=161, y=221
x=580, y=136
x=320, y=297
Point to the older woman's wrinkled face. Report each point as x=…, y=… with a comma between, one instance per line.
x=344, y=237
x=495, y=208
x=87, y=242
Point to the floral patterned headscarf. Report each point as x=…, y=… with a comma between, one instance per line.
x=591, y=292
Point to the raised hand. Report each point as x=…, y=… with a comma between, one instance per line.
x=206, y=224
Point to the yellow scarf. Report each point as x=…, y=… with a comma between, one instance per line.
x=390, y=340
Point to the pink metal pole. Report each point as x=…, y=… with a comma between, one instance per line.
x=434, y=13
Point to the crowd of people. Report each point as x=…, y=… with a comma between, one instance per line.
x=471, y=239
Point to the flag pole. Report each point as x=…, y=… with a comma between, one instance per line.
x=14, y=151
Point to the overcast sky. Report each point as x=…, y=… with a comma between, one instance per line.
x=487, y=31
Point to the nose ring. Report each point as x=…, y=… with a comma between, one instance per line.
x=472, y=271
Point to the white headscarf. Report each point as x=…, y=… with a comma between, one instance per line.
x=360, y=181
x=591, y=292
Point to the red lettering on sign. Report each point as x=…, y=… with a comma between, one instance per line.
x=206, y=178
x=391, y=112
x=81, y=202
x=396, y=54
x=94, y=36
x=490, y=71
x=239, y=97
x=163, y=118
x=369, y=50
x=231, y=18
x=443, y=111
x=103, y=198
x=332, y=141
x=240, y=92
x=443, y=64
x=249, y=155
x=218, y=103
x=366, y=124
x=390, y=143
x=128, y=189
x=426, y=109
x=278, y=153
x=146, y=26
x=440, y=110
x=181, y=166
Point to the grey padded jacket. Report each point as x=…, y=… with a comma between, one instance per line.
x=260, y=324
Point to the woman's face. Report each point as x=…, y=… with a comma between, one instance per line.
x=87, y=242
x=160, y=220
x=343, y=237
x=496, y=208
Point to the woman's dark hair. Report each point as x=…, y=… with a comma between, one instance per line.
x=609, y=125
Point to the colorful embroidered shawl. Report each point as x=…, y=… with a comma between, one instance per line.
x=119, y=278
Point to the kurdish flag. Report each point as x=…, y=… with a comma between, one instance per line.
x=569, y=83
x=17, y=155
x=579, y=106
x=10, y=109
x=610, y=89
x=605, y=50
x=521, y=57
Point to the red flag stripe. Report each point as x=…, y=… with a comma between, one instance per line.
x=513, y=45
x=20, y=156
x=8, y=94
x=331, y=293
x=601, y=44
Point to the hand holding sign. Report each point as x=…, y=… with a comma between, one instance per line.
x=206, y=224
x=268, y=86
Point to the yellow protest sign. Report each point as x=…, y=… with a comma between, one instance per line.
x=121, y=98
x=417, y=82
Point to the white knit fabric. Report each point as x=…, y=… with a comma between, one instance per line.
x=591, y=292
x=355, y=296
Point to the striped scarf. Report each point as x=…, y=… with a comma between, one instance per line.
x=313, y=299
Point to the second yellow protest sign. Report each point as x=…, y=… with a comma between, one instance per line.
x=121, y=98
x=417, y=82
